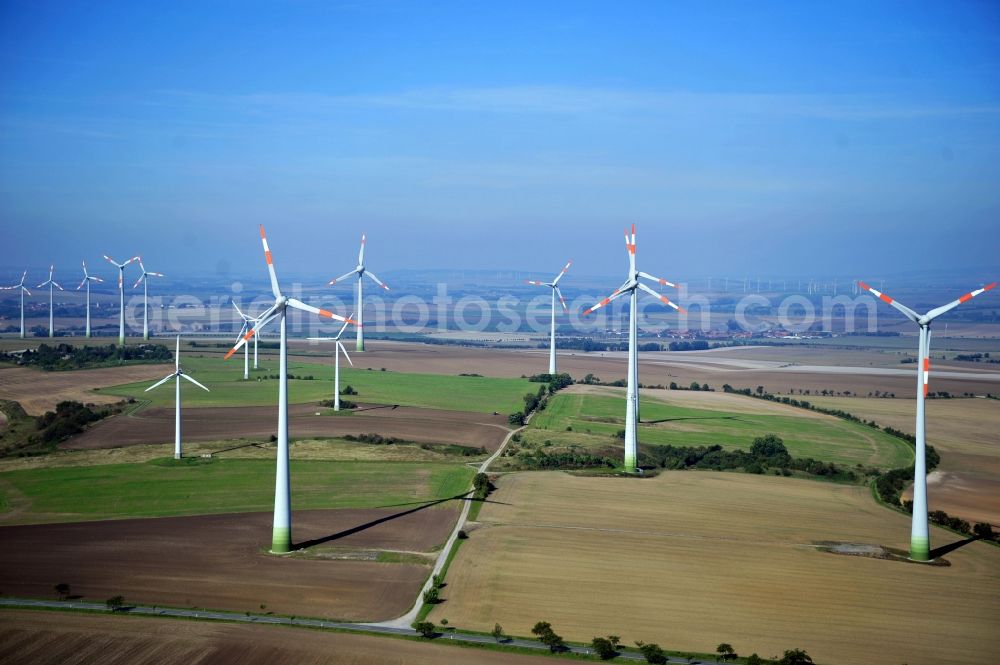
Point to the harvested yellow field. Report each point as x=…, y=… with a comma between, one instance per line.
x=39, y=391
x=692, y=559
x=966, y=432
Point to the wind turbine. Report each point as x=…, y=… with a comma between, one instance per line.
x=50, y=283
x=247, y=320
x=360, y=306
x=23, y=289
x=920, y=544
x=177, y=374
x=87, y=279
x=555, y=291
x=631, y=287
x=337, y=348
x=121, y=295
x=281, y=541
x=144, y=278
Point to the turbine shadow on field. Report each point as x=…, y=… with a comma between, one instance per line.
x=254, y=444
x=388, y=518
x=674, y=420
x=951, y=547
x=391, y=407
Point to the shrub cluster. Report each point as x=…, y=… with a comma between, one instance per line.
x=68, y=357
x=766, y=452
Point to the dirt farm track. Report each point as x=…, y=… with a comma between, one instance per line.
x=219, y=561
x=156, y=425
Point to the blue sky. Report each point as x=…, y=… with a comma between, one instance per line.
x=772, y=138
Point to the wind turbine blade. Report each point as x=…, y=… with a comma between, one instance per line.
x=195, y=382
x=239, y=311
x=341, y=346
x=561, y=299
x=139, y=281
x=361, y=252
x=250, y=333
x=535, y=282
x=665, y=300
x=630, y=246
x=160, y=382
x=376, y=279
x=26, y=290
x=663, y=282
x=56, y=284
x=298, y=304
x=270, y=264
x=155, y=274
x=907, y=312
x=95, y=278
x=24, y=276
x=177, y=355
x=343, y=277
x=604, y=302
x=559, y=276
x=132, y=260
x=344, y=327
x=84, y=281
x=934, y=313
x=112, y=261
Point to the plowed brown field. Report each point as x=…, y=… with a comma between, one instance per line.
x=156, y=425
x=219, y=561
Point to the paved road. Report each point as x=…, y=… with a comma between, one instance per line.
x=206, y=615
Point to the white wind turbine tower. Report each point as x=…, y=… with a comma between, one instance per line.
x=631, y=287
x=177, y=374
x=555, y=292
x=144, y=278
x=281, y=541
x=338, y=346
x=247, y=320
x=920, y=544
x=360, y=305
x=23, y=289
x=121, y=295
x=87, y=279
x=50, y=283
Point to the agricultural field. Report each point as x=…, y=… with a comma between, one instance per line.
x=589, y=417
x=358, y=564
x=436, y=391
x=50, y=638
x=966, y=432
x=40, y=391
x=256, y=423
x=692, y=559
x=193, y=486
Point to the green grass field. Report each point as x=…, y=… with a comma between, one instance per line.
x=595, y=419
x=195, y=486
x=224, y=378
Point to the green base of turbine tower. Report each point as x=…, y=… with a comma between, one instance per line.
x=920, y=549
x=281, y=540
